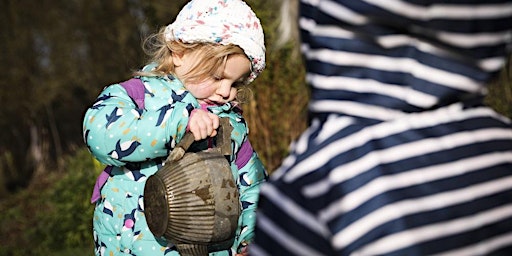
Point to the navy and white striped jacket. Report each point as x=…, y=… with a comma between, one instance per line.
x=401, y=157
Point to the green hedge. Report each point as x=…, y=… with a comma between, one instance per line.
x=54, y=214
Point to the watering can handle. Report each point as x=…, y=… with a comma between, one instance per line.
x=223, y=138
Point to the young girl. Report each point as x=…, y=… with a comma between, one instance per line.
x=199, y=62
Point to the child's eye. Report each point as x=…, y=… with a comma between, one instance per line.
x=217, y=78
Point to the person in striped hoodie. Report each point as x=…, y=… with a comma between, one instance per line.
x=401, y=157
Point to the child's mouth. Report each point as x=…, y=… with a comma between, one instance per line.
x=211, y=102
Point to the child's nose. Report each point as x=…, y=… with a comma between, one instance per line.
x=224, y=89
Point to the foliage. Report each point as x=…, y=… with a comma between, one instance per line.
x=57, y=61
x=277, y=113
x=54, y=214
x=500, y=92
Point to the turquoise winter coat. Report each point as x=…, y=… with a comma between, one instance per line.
x=135, y=142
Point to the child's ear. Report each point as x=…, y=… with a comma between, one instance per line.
x=177, y=59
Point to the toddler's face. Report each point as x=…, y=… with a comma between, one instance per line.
x=221, y=87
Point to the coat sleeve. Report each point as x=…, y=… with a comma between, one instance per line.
x=250, y=175
x=116, y=132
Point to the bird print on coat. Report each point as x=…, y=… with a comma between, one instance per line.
x=99, y=101
x=148, y=89
x=108, y=208
x=246, y=204
x=244, y=179
x=135, y=175
x=165, y=111
x=86, y=138
x=140, y=204
x=137, y=112
x=124, y=149
x=113, y=117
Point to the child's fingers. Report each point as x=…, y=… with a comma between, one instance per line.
x=203, y=128
x=215, y=120
x=215, y=124
x=203, y=124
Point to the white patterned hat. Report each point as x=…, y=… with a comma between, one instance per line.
x=224, y=22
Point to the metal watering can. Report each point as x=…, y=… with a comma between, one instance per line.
x=193, y=199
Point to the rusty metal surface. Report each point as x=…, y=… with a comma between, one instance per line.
x=193, y=199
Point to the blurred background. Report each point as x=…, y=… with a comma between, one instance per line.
x=57, y=56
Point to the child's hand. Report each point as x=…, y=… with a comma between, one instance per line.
x=203, y=124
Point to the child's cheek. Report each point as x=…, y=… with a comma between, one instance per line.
x=232, y=94
x=201, y=90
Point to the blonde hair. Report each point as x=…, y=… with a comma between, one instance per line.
x=208, y=58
